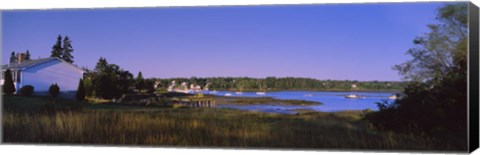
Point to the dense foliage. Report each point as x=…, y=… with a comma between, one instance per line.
x=8, y=86
x=284, y=83
x=434, y=104
x=107, y=80
x=54, y=90
x=27, y=90
x=440, y=51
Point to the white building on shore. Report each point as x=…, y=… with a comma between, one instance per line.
x=41, y=73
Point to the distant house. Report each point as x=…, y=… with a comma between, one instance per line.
x=41, y=73
x=354, y=86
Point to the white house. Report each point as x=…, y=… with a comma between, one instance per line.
x=41, y=73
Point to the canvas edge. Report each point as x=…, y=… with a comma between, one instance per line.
x=473, y=49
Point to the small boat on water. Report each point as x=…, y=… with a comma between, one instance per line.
x=393, y=97
x=261, y=90
x=228, y=94
x=213, y=92
x=239, y=91
x=308, y=95
x=353, y=96
x=261, y=93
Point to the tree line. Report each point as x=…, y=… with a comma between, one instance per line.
x=282, y=83
x=109, y=81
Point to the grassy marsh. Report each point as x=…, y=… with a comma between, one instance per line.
x=74, y=122
x=261, y=100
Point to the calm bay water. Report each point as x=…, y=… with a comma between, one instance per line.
x=332, y=101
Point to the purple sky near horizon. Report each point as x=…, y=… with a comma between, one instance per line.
x=330, y=41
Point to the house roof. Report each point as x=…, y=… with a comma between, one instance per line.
x=30, y=63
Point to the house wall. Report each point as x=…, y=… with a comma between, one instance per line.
x=43, y=75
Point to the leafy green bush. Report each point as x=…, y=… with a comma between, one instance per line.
x=54, y=90
x=27, y=90
x=435, y=109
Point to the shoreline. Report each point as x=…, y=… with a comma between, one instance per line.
x=333, y=90
x=224, y=100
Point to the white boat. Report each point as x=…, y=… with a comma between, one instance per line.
x=213, y=92
x=228, y=94
x=261, y=93
x=308, y=95
x=393, y=97
x=239, y=91
x=353, y=96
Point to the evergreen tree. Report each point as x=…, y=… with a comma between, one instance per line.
x=140, y=82
x=57, y=48
x=101, y=65
x=80, y=91
x=27, y=55
x=8, y=86
x=13, y=58
x=67, y=50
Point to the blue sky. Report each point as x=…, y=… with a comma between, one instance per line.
x=330, y=41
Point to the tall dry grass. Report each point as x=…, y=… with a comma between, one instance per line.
x=103, y=124
x=193, y=127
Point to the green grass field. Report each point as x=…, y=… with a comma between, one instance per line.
x=56, y=121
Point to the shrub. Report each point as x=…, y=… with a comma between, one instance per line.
x=429, y=108
x=54, y=90
x=8, y=86
x=80, y=91
x=27, y=90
